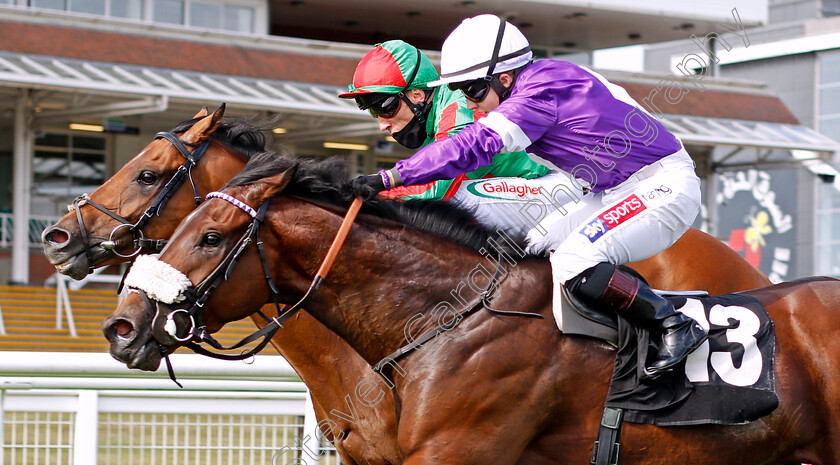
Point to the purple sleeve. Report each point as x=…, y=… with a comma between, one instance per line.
x=471, y=148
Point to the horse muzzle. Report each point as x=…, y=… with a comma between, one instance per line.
x=131, y=337
x=66, y=252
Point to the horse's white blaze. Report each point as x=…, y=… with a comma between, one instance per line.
x=159, y=280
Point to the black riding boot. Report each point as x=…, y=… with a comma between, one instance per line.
x=637, y=302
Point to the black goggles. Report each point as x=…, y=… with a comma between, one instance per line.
x=384, y=105
x=473, y=90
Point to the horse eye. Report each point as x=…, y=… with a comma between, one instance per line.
x=147, y=177
x=211, y=239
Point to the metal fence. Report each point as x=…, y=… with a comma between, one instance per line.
x=86, y=409
x=36, y=225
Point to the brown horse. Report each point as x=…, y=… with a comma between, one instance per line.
x=129, y=193
x=495, y=389
x=697, y=261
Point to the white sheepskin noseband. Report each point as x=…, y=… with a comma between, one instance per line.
x=159, y=280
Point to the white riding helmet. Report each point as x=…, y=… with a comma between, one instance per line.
x=479, y=43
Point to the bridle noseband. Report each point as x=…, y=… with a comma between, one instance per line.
x=140, y=242
x=196, y=296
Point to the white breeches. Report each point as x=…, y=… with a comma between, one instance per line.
x=637, y=219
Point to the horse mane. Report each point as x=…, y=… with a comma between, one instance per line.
x=243, y=135
x=321, y=180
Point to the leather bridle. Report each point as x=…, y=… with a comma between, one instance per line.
x=136, y=228
x=165, y=327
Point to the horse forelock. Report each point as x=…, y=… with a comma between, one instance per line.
x=321, y=180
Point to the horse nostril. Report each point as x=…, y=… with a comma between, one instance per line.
x=57, y=236
x=122, y=328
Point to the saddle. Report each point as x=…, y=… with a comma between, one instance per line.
x=574, y=316
x=706, y=394
x=681, y=397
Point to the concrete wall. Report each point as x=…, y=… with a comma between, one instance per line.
x=792, y=78
x=658, y=56
x=782, y=11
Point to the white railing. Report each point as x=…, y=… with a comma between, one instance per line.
x=86, y=409
x=37, y=224
x=62, y=297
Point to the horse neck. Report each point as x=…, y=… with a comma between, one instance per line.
x=220, y=164
x=384, y=275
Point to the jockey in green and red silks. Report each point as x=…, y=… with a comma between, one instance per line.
x=391, y=82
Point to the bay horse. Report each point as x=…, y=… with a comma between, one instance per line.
x=494, y=389
x=696, y=261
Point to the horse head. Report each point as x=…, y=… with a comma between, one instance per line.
x=126, y=214
x=193, y=288
x=169, y=300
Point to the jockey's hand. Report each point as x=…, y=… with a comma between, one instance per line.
x=366, y=187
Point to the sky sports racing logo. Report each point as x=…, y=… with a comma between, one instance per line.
x=626, y=209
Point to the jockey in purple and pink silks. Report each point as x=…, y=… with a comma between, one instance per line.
x=629, y=186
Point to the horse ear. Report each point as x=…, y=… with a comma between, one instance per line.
x=274, y=185
x=202, y=113
x=204, y=127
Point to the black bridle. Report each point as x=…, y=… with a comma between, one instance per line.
x=136, y=229
x=165, y=329
x=167, y=332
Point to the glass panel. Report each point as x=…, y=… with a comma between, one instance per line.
x=53, y=140
x=169, y=11
x=205, y=15
x=66, y=164
x=829, y=67
x=828, y=260
x=6, y=182
x=88, y=169
x=827, y=197
x=829, y=227
x=50, y=171
x=94, y=7
x=51, y=4
x=830, y=100
x=131, y=9
x=830, y=127
x=88, y=143
x=239, y=19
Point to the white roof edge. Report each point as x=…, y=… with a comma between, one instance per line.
x=763, y=51
x=732, y=132
x=111, y=79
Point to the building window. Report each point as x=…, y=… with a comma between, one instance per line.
x=238, y=19
x=220, y=14
x=50, y=4
x=828, y=202
x=128, y=9
x=207, y=15
x=66, y=165
x=92, y=7
x=168, y=11
x=217, y=16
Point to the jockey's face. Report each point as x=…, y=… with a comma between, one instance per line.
x=403, y=116
x=489, y=103
x=491, y=100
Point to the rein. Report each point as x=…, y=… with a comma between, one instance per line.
x=140, y=242
x=483, y=301
x=199, y=295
